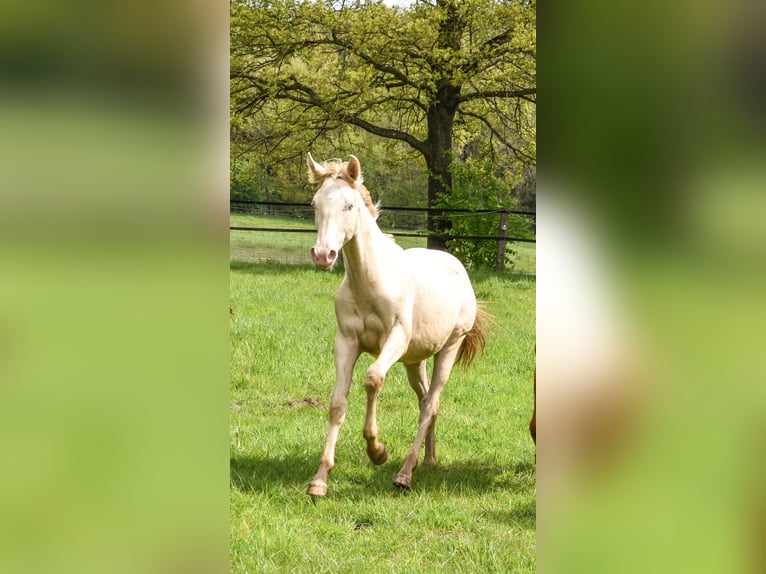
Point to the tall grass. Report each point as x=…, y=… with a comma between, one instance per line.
x=473, y=512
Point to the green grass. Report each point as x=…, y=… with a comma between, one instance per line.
x=267, y=245
x=294, y=247
x=524, y=260
x=473, y=512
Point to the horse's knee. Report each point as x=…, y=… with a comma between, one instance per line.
x=373, y=380
x=429, y=407
x=337, y=413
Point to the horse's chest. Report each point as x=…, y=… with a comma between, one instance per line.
x=372, y=333
x=368, y=319
x=370, y=329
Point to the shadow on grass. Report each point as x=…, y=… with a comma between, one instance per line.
x=524, y=515
x=260, y=474
x=475, y=476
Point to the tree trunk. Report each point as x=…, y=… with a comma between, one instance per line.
x=439, y=182
x=441, y=117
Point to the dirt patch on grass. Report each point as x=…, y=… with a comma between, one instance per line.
x=305, y=402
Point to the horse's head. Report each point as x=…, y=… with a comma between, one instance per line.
x=336, y=207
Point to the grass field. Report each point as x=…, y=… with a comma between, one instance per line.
x=294, y=247
x=473, y=512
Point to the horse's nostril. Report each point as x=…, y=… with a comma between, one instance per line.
x=313, y=253
x=332, y=255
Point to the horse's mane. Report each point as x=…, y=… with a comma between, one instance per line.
x=337, y=168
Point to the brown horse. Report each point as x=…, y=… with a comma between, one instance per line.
x=533, y=422
x=397, y=305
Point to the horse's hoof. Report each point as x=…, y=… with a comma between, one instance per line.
x=378, y=458
x=317, y=488
x=403, y=481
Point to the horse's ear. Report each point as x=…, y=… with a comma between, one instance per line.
x=354, y=170
x=316, y=171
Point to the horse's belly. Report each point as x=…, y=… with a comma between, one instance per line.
x=414, y=354
x=419, y=351
x=420, y=347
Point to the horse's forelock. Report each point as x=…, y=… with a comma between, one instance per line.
x=336, y=168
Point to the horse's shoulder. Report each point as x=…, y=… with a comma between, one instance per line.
x=344, y=294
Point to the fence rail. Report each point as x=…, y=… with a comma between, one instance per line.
x=502, y=238
x=391, y=208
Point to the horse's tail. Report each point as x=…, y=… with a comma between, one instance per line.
x=475, y=340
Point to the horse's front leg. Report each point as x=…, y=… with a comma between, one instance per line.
x=346, y=354
x=393, y=348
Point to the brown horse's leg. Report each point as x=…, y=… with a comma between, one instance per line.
x=394, y=347
x=533, y=422
x=443, y=362
x=418, y=378
x=346, y=354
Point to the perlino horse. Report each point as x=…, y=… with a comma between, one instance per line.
x=397, y=305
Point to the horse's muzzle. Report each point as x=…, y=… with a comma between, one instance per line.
x=323, y=258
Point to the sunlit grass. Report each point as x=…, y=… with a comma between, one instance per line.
x=473, y=512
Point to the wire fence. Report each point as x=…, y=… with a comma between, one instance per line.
x=281, y=230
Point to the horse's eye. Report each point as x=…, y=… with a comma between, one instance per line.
x=349, y=207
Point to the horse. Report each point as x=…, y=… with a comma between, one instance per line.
x=533, y=421
x=394, y=304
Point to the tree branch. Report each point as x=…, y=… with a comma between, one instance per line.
x=296, y=91
x=523, y=94
x=380, y=66
x=524, y=157
x=495, y=46
x=388, y=133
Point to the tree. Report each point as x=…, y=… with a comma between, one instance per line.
x=420, y=75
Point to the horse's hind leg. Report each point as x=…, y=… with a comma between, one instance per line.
x=418, y=378
x=443, y=362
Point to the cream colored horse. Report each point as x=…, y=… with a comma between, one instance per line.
x=397, y=305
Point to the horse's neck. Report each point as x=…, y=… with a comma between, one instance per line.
x=367, y=256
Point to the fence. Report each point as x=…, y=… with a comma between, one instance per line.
x=407, y=222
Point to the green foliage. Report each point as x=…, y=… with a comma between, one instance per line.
x=477, y=185
x=396, y=86
x=248, y=181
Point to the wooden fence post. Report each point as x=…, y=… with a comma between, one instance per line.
x=501, y=243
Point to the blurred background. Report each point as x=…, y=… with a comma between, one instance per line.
x=651, y=251
x=114, y=286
